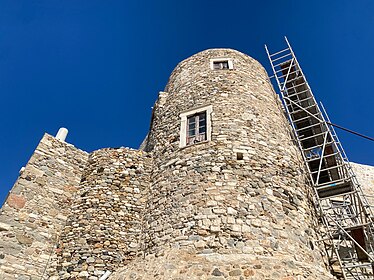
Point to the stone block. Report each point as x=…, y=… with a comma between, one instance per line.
x=16, y=201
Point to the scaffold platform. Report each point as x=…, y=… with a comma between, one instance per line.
x=340, y=203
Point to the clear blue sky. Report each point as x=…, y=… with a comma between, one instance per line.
x=96, y=67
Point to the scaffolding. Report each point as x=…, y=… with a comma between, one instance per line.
x=340, y=203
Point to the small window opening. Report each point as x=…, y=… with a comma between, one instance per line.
x=100, y=170
x=239, y=156
x=196, y=128
x=221, y=63
x=224, y=64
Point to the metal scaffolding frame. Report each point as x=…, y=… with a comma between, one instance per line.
x=340, y=203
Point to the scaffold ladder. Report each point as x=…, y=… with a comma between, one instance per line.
x=340, y=203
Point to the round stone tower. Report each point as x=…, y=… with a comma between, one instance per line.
x=228, y=197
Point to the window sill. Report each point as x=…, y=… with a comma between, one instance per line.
x=195, y=144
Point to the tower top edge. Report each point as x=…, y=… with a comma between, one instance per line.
x=213, y=53
x=218, y=51
x=202, y=62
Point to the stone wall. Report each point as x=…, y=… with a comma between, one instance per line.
x=236, y=207
x=104, y=228
x=365, y=176
x=242, y=193
x=36, y=209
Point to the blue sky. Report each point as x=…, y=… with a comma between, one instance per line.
x=96, y=67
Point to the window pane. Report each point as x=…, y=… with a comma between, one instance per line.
x=191, y=125
x=197, y=126
x=202, y=123
x=191, y=132
x=224, y=64
x=202, y=115
x=191, y=120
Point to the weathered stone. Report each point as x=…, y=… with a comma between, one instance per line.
x=249, y=272
x=90, y=260
x=235, y=272
x=83, y=274
x=31, y=227
x=217, y=272
x=16, y=201
x=24, y=239
x=4, y=227
x=365, y=176
x=200, y=244
x=231, y=211
x=237, y=203
x=23, y=277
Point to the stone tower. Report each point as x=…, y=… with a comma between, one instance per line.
x=228, y=196
x=216, y=191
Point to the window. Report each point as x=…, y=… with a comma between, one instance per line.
x=221, y=63
x=195, y=126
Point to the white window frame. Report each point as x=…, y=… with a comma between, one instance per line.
x=221, y=59
x=183, y=128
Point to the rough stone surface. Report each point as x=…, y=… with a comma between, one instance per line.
x=35, y=211
x=235, y=207
x=104, y=228
x=202, y=198
x=365, y=176
x=180, y=264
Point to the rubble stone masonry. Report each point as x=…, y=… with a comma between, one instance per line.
x=37, y=207
x=104, y=228
x=365, y=176
x=237, y=202
x=236, y=205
